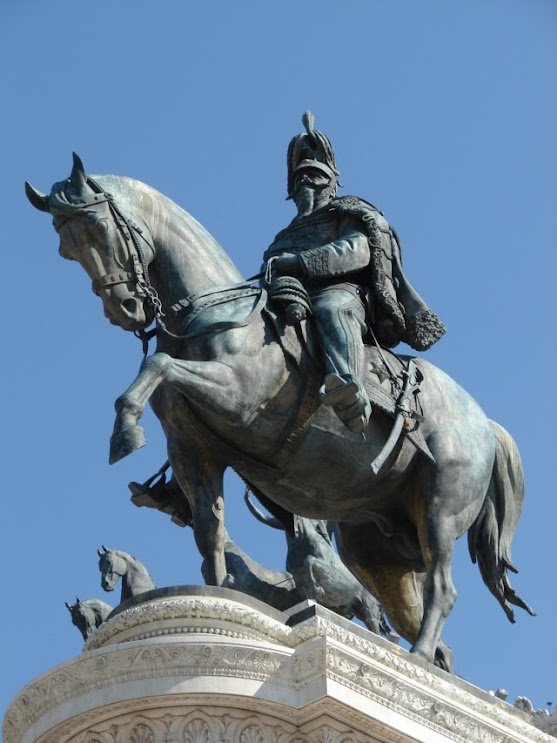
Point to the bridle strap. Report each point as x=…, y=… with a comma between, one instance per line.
x=110, y=279
x=140, y=275
x=130, y=232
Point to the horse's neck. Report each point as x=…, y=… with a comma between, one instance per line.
x=135, y=580
x=91, y=617
x=98, y=616
x=188, y=259
x=100, y=610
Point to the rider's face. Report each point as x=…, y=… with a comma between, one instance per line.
x=310, y=177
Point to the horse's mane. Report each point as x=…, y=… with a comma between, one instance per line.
x=137, y=199
x=96, y=605
x=127, y=557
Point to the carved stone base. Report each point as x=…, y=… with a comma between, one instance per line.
x=208, y=665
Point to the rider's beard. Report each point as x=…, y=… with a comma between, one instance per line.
x=304, y=197
x=309, y=196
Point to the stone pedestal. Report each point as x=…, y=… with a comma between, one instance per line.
x=208, y=665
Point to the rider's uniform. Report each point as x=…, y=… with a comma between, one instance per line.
x=352, y=270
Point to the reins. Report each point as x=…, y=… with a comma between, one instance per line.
x=133, y=234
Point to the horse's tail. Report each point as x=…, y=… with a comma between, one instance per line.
x=490, y=536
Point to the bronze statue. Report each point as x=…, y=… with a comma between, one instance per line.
x=235, y=385
x=115, y=565
x=88, y=615
x=319, y=573
x=348, y=259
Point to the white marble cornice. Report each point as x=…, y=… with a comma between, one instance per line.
x=146, y=674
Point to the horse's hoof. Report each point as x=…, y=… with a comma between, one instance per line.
x=125, y=442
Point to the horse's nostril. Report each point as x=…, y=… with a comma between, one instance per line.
x=130, y=306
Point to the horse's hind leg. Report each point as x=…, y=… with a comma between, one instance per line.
x=374, y=560
x=439, y=594
x=397, y=582
x=448, y=498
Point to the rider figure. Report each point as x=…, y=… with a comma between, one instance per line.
x=348, y=259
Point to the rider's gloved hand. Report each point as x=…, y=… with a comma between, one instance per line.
x=287, y=264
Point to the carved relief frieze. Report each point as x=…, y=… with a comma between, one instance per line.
x=215, y=725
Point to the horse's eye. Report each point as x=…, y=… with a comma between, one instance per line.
x=102, y=226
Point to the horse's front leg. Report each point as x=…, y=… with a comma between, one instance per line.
x=200, y=475
x=209, y=383
x=127, y=436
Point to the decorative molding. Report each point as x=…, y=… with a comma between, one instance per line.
x=237, y=620
x=207, y=643
x=200, y=725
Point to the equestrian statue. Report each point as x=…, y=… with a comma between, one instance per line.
x=290, y=382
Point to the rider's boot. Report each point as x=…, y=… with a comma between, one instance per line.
x=348, y=399
x=341, y=322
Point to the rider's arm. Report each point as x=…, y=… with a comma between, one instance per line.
x=345, y=255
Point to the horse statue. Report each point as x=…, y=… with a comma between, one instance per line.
x=115, y=564
x=235, y=386
x=88, y=615
x=319, y=573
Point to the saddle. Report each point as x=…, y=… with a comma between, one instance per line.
x=222, y=308
x=385, y=380
x=386, y=375
x=238, y=305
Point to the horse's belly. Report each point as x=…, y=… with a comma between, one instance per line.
x=330, y=474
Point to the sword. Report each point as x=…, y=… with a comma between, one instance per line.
x=412, y=380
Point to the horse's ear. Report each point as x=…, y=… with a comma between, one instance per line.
x=99, y=553
x=68, y=606
x=38, y=199
x=78, y=179
x=77, y=601
x=106, y=549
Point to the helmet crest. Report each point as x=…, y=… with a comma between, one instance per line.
x=311, y=149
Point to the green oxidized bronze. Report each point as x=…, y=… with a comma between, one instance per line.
x=237, y=385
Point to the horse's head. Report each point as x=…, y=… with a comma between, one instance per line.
x=112, y=567
x=82, y=617
x=94, y=232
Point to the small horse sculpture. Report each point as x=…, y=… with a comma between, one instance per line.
x=115, y=564
x=319, y=573
x=232, y=386
x=88, y=615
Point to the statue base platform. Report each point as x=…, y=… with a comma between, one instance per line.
x=210, y=665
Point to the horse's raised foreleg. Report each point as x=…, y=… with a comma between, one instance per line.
x=209, y=383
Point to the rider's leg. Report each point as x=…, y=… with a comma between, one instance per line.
x=340, y=318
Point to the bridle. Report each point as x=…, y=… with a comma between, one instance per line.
x=112, y=571
x=133, y=235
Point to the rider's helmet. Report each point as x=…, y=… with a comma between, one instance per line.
x=311, y=149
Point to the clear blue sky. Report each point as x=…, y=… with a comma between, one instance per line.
x=441, y=113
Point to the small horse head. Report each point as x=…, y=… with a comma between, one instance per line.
x=112, y=566
x=82, y=617
x=88, y=615
x=95, y=233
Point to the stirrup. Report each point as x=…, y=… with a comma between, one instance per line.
x=348, y=399
x=336, y=389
